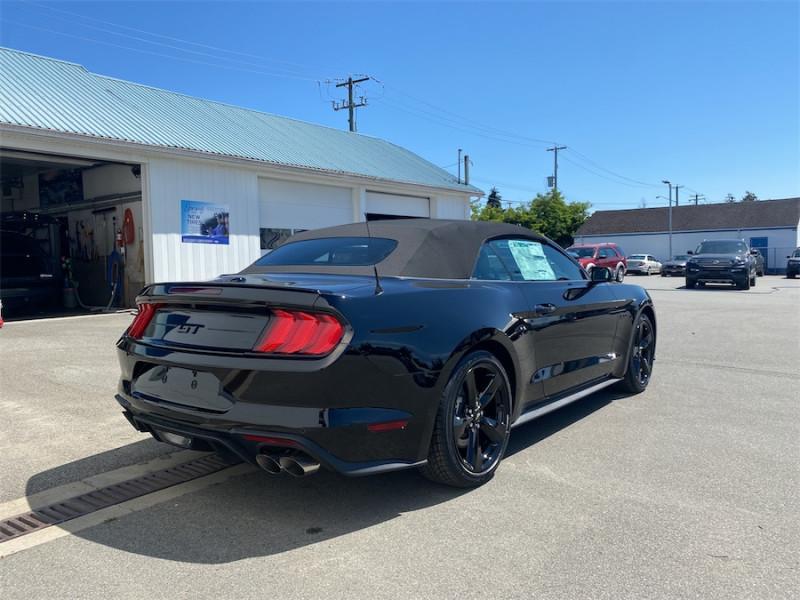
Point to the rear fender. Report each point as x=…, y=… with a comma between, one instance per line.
x=494, y=341
x=645, y=304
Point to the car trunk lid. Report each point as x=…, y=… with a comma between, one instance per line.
x=232, y=313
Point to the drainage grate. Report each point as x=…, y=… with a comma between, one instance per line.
x=90, y=502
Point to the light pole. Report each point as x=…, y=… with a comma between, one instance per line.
x=669, y=183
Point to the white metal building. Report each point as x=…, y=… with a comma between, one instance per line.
x=772, y=226
x=210, y=187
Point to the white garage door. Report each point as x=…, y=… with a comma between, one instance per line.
x=292, y=205
x=392, y=204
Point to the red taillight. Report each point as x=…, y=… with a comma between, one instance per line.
x=299, y=332
x=142, y=320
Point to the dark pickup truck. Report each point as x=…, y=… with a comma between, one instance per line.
x=722, y=261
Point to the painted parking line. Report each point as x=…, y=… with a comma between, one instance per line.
x=116, y=511
x=93, y=483
x=47, y=526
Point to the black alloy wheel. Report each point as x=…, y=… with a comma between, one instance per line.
x=473, y=423
x=642, y=356
x=690, y=283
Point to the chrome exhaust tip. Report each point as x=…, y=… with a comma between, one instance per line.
x=299, y=465
x=269, y=463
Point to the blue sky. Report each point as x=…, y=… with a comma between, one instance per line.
x=706, y=94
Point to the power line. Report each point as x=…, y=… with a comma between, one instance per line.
x=595, y=173
x=160, y=54
x=468, y=120
x=442, y=121
x=162, y=36
x=590, y=161
x=509, y=138
x=178, y=48
x=454, y=120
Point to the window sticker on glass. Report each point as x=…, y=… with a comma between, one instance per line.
x=530, y=259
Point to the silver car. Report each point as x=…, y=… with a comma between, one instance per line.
x=643, y=264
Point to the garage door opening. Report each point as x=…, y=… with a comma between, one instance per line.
x=71, y=233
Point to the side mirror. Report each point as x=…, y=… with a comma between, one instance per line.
x=753, y=251
x=601, y=274
x=689, y=252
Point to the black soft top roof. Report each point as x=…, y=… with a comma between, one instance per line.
x=442, y=249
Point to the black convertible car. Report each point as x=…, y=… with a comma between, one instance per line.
x=372, y=347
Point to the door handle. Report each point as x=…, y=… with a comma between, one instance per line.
x=544, y=309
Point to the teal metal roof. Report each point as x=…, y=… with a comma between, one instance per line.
x=50, y=94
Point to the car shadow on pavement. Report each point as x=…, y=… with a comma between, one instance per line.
x=533, y=432
x=256, y=514
x=145, y=449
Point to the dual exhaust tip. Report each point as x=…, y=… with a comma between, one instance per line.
x=297, y=464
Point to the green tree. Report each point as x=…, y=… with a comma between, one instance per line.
x=749, y=197
x=548, y=214
x=494, y=199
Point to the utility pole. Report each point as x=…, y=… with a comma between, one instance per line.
x=555, y=150
x=350, y=105
x=697, y=198
x=677, y=187
x=670, y=217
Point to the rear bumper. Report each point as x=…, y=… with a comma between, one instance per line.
x=337, y=413
x=245, y=443
x=674, y=270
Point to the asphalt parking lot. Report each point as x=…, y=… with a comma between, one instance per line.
x=689, y=490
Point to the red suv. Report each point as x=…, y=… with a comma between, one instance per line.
x=606, y=255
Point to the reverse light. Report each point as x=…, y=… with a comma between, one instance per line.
x=142, y=320
x=300, y=332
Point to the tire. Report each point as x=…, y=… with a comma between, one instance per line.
x=690, y=283
x=791, y=275
x=744, y=284
x=663, y=274
x=458, y=431
x=641, y=357
x=620, y=275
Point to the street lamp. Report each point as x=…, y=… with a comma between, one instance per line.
x=669, y=183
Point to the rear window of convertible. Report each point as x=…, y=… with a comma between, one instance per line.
x=344, y=251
